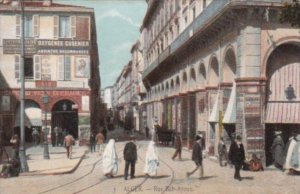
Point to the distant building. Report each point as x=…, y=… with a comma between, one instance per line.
x=129, y=90
x=107, y=96
x=61, y=60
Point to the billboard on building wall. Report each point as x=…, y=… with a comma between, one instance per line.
x=82, y=67
x=47, y=47
x=5, y=103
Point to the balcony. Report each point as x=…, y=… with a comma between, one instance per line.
x=207, y=17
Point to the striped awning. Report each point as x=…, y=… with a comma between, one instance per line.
x=32, y=117
x=283, y=112
x=214, y=114
x=230, y=114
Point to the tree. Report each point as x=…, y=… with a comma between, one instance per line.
x=291, y=13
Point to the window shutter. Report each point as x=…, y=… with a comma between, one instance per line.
x=18, y=25
x=67, y=68
x=36, y=24
x=17, y=66
x=37, y=67
x=73, y=26
x=55, y=26
x=61, y=68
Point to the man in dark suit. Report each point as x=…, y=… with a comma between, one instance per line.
x=130, y=157
x=197, y=157
x=237, y=156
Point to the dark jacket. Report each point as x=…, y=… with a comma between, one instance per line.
x=222, y=148
x=278, y=150
x=130, y=152
x=178, y=144
x=236, y=154
x=197, y=153
x=92, y=140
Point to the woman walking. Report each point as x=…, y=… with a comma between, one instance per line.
x=110, y=159
x=151, y=161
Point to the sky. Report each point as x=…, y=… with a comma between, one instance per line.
x=118, y=23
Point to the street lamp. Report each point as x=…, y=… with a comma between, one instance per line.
x=24, y=165
x=45, y=100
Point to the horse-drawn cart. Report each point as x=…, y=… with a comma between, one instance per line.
x=164, y=136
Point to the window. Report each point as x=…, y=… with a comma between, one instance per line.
x=204, y=4
x=28, y=68
x=31, y=26
x=64, y=68
x=185, y=19
x=17, y=66
x=194, y=12
x=28, y=26
x=177, y=5
x=177, y=28
x=37, y=67
x=171, y=34
x=64, y=27
x=67, y=27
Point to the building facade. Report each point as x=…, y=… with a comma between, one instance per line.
x=60, y=61
x=108, y=96
x=129, y=90
x=223, y=68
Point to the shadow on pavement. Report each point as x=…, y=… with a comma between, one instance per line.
x=159, y=177
x=207, y=177
x=58, y=152
x=182, y=160
x=248, y=178
x=197, y=179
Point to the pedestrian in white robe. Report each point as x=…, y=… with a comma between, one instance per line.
x=290, y=147
x=292, y=161
x=110, y=159
x=151, y=161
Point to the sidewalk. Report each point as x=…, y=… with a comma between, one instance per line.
x=58, y=162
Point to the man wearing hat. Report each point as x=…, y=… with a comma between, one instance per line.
x=130, y=157
x=237, y=156
x=277, y=150
x=197, y=158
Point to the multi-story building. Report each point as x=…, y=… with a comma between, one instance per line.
x=60, y=61
x=107, y=96
x=123, y=95
x=129, y=90
x=137, y=86
x=223, y=67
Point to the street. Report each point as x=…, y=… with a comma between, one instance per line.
x=171, y=178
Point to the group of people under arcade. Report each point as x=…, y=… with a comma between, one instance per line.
x=286, y=156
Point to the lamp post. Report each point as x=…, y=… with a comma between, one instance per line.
x=24, y=165
x=45, y=100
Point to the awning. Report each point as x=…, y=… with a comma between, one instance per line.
x=283, y=112
x=32, y=117
x=214, y=114
x=230, y=113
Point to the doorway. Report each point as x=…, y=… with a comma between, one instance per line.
x=65, y=117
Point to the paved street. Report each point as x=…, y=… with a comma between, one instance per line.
x=88, y=178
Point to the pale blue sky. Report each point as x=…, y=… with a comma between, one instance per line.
x=118, y=23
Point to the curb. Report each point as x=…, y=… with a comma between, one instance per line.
x=55, y=173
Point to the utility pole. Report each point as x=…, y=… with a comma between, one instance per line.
x=22, y=154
